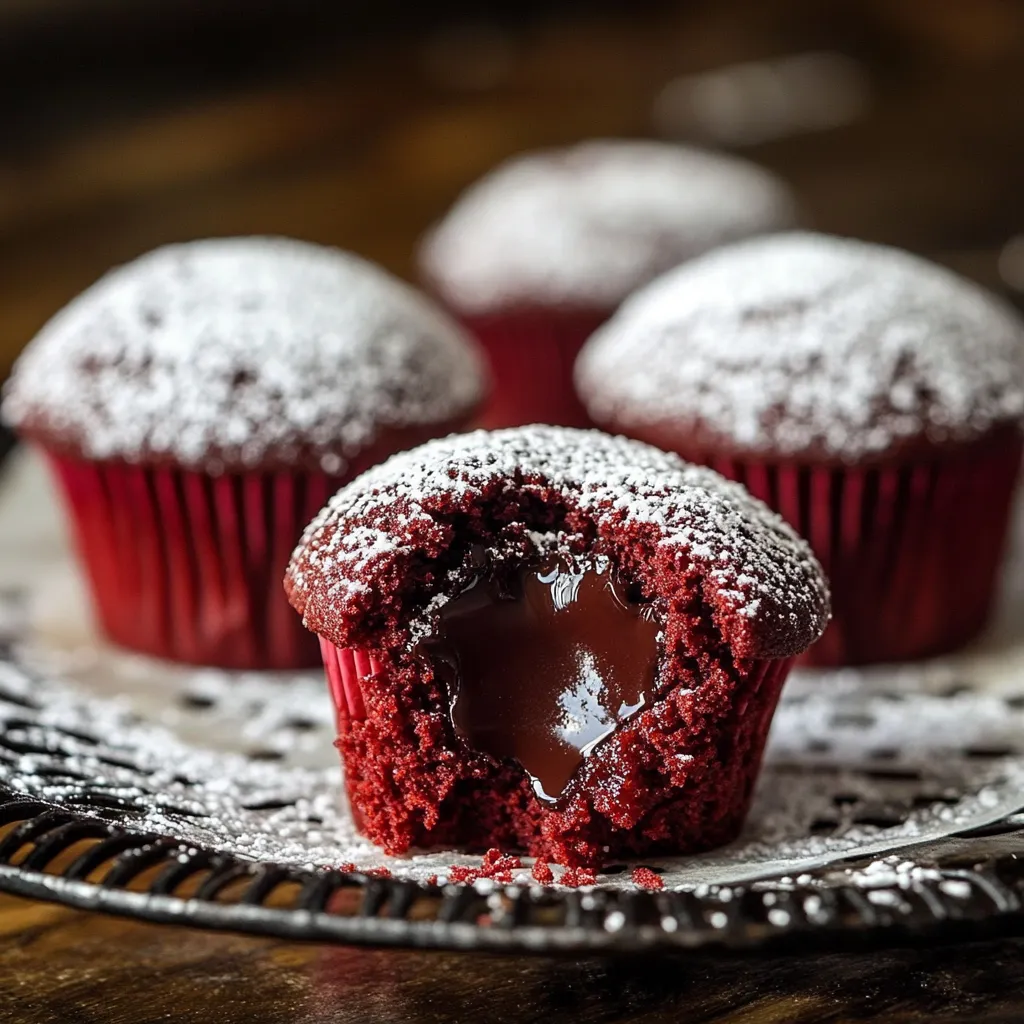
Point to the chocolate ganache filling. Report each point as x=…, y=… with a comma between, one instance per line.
x=544, y=661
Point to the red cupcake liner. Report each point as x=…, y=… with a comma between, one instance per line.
x=532, y=354
x=912, y=551
x=187, y=566
x=697, y=810
x=346, y=669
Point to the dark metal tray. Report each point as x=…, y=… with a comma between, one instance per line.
x=80, y=851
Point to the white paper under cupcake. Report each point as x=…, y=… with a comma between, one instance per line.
x=860, y=763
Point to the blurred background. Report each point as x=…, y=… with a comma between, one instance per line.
x=124, y=124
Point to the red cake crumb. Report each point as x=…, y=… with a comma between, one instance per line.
x=647, y=879
x=378, y=872
x=432, y=880
x=542, y=872
x=495, y=860
x=499, y=866
x=735, y=594
x=347, y=868
x=576, y=877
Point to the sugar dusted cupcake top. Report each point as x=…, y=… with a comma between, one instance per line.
x=387, y=546
x=585, y=226
x=803, y=344
x=239, y=352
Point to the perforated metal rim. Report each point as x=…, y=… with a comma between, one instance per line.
x=202, y=888
x=82, y=852
x=74, y=853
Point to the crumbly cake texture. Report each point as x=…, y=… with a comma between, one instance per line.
x=399, y=535
x=807, y=345
x=736, y=591
x=235, y=353
x=587, y=225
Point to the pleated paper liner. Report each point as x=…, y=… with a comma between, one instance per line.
x=706, y=810
x=187, y=566
x=346, y=671
x=912, y=551
x=532, y=354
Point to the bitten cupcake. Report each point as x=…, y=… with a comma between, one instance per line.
x=553, y=640
x=872, y=398
x=199, y=406
x=544, y=248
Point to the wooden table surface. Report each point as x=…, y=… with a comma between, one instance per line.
x=119, y=137
x=362, y=140
x=68, y=966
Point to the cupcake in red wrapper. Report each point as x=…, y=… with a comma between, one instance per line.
x=872, y=398
x=198, y=407
x=555, y=641
x=543, y=249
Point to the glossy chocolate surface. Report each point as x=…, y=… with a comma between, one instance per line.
x=543, y=662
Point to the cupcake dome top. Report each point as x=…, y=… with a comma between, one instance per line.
x=384, y=542
x=585, y=226
x=804, y=344
x=238, y=352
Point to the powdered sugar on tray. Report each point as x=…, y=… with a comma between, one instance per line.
x=813, y=806
x=754, y=563
x=879, y=346
x=585, y=226
x=860, y=763
x=241, y=350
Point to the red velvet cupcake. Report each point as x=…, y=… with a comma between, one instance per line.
x=872, y=398
x=543, y=249
x=199, y=406
x=555, y=641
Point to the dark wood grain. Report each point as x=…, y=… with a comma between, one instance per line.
x=363, y=145
x=63, y=965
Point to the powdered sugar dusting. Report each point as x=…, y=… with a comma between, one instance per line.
x=79, y=749
x=754, y=563
x=585, y=226
x=884, y=758
x=802, y=342
x=251, y=349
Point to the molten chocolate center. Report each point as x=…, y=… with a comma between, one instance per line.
x=543, y=662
